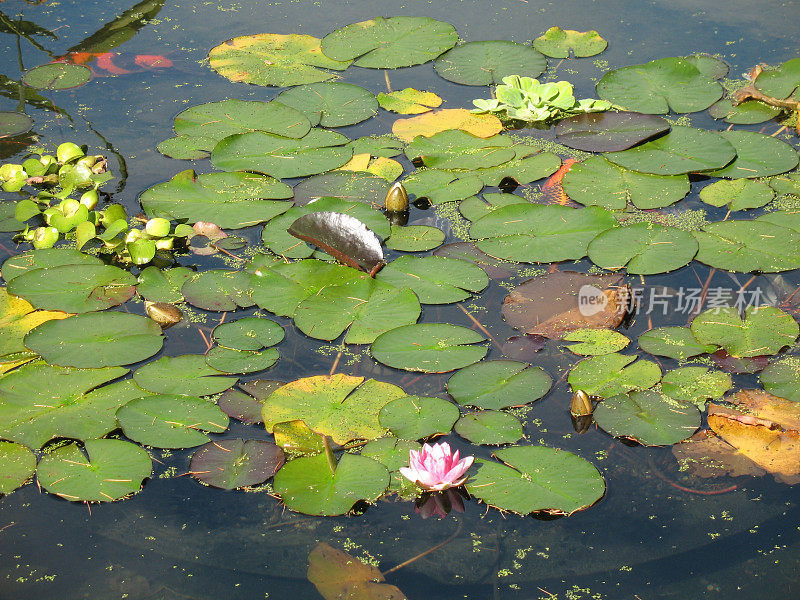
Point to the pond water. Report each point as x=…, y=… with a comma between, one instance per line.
x=656, y=533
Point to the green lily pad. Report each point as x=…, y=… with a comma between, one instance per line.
x=497, y=384
x=595, y=342
x=417, y=417
x=57, y=76
x=96, y=339
x=557, y=42
x=17, y=318
x=331, y=104
x=163, y=285
x=782, y=184
x=537, y=479
x=248, y=333
x=757, y=155
x=409, y=101
x=696, y=385
x=414, y=238
x=218, y=120
x=789, y=219
x=486, y=63
x=434, y=279
x=229, y=200
x=648, y=417
x=474, y=208
x=457, y=149
x=429, y=347
x=320, y=150
x=8, y=216
x=187, y=147
x=17, y=464
x=187, y=375
x=708, y=65
x=643, y=248
x=748, y=112
x=114, y=469
x=244, y=401
x=74, y=288
x=442, y=186
x=14, y=123
x=598, y=182
x=68, y=407
x=782, y=378
x=345, y=185
x=612, y=374
x=744, y=246
x=393, y=453
x=781, y=82
x=540, y=233
x=171, y=421
x=675, y=342
x=45, y=258
x=529, y=164
x=738, y=194
x=308, y=485
x=382, y=43
x=297, y=439
x=341, y=406
x=385, y=146
x=236, y=463
x=229, y=360
x=763, y=331
x=608, y=131
x=218, y=290
x=659, y=86
x=274, y=60
x=489, y=427
x=682, y=150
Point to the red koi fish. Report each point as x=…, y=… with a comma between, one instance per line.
x=110, y=64
x=552, y=189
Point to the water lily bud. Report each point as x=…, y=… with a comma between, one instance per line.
x=90, y=199
x=157, y=227
x=163, y=313
x=45, y=237
x=581, y=404
x=396, y=198
x=68, y=151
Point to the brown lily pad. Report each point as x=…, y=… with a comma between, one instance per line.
x=338, y=575
x=707, y=455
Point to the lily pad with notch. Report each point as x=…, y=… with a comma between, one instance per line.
x=45, y=258
x=782, y=378
x=763, y=331
x=17, y=464
x=57, y=76
x=393, y=453
x=696, y=385
x=529, y=164
x=434, y=279
x=440, y=186
x=236, y=463
x=609, y=131
x=456, y=149
x=163, y=285
x=738, y=194
x=429, y=347
x=229, y=360
x=612, y=374
x=331, y=104
x=474, y=208
x=14, y=123
x=244, y=401
x=345, y=185
x=757, y=155
x=218, y=290
x=486, y=63
x=489, y=427
x=781, y=82
x=643, y=248
x=595, y=342
x=558, y=43
x=186, y=374
x=409, y=101
x=743, y=246
x=414, y=238
x=748, y=112
x=417, y=417
x=497, y=384
x=675, y=342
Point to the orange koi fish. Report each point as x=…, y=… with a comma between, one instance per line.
x=552, y=189
x=109, y=64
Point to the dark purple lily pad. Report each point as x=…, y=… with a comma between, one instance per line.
x=344, y=237
x=244, y=402
x=735, y=364
x=524, y=347
x=609, y=131
x=236, y=463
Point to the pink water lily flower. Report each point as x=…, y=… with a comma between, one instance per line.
x=434, y=468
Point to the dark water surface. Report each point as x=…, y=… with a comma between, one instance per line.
x=648, y=538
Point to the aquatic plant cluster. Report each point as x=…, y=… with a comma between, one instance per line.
x=339, y=439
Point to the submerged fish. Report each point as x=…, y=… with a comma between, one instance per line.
x=552, y=189
x=111, y=64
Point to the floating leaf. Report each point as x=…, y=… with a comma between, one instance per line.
x=248, y=333
x=96, y=339
x=708, y=65
x=537, y=479
x=393, y=453
x=782, y=378
x=414, y=238
x=682, y=150
x=218, y=290
x=382, y=43
x=45, y=258
x=308, y=484
x=74, y=288
x=445, y=120
x=342, y=236
x=14, y=123
x=696, y=385
x=244, y=401
x=347, y=186
x=429, y=347
x=648, y=417
x=748, y=112
x=595, y=342
x=764, y=330
x=557, y=42
x=17, y=318
x=643, y=248
x=187, y=374
x=341, y=406
x=489, y=427
x=529, y=164
x=474, y=208
x=163, y=285
x=236, y=463
x=337, y=574
x=497, y=384
x=705, y=455
x=659, y=86
x=784, y=218
x=186, y=147
x=434, y=279
x=409, y=101
x=486, y=63
x=228, y=360
x=442, y=186
x=757, y=155
x=17, y=465
x=675, y=342
x=114, y=469
x=608, y=131
x=781, y=82
x=556, y=303
x=273, y=59
x=738, y=194
x=743, y=246
x=540, y=233
x=171, y=421
x=296, y=438
x=734, y=364
x=496, y=269
x=416, y=417
x=377, y=145
x=331, y=104
x=57, y=76
x=612, y=374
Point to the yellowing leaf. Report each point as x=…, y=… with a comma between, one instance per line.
x=359, y=162
x=409, y=101
x=707, y=455
x=17, y=317
x=338, y=575
x=386, y=167
x=481, y=125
